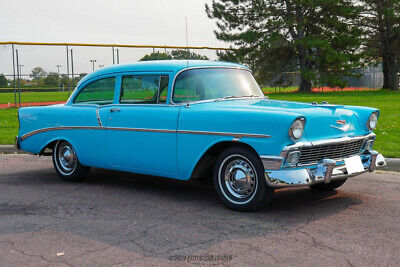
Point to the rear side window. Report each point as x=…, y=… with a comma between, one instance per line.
x=100, y=92
x=146, y=89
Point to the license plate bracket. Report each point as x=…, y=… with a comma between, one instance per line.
x=354, y=165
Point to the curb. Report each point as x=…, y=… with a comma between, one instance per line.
x=393, y=164
x=10, y=149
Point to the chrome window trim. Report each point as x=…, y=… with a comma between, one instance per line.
x=235, y=135
x=200, y=67
x=148, y=104
x=77, y=91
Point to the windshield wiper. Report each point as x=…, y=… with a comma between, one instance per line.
x=231, y=96
x=235, y=96
x=250, y=96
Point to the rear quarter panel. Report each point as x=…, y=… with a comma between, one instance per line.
x=88, y=143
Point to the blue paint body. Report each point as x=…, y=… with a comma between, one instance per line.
x=170, y=153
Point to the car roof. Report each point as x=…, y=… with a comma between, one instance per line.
x=159, y=65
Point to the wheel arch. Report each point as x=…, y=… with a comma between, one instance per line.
x=204, y=166
x=51, y=143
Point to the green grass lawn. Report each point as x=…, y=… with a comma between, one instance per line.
x=268, y=90
x=8, y=125
x=34, y=97
x=388, y=130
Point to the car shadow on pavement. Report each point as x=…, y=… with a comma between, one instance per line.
x=159, y=217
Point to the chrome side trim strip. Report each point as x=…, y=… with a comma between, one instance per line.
x=141, y=130
x=59, y=128
x=235, y=135
x=98, y=117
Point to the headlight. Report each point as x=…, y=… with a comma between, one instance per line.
x=372, y=121
x=297, y=129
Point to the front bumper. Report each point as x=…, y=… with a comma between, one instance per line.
x=323, y=172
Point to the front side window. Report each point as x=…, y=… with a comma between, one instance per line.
x=214, y=83
x=100, y=92
x=146, y=89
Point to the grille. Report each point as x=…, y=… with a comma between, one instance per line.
x=335, y=151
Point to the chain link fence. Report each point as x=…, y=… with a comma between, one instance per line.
x=64, y=65
x=371, y=77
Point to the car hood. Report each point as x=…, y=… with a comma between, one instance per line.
x=323, y=121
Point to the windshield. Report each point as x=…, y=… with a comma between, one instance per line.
x=214, y=83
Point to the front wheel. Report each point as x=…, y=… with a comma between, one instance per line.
x=239, y=180
x=66, y=162
x=329, y=186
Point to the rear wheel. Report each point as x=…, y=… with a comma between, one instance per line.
x=239, y=180
x=329, y=186
x=66, y=162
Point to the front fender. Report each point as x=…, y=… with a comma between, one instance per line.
x=273, y=126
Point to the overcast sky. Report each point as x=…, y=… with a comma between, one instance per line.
x=153, y=22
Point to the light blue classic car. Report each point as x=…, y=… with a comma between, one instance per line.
x=191, y=119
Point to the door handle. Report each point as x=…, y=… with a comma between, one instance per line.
x=114, y=110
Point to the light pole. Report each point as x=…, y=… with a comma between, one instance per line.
x=20, y=71
x=58, y=72
x=101, y=66
x=93, y=61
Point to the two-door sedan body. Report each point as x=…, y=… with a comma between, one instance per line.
x=186, y=119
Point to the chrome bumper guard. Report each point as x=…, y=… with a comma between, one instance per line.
x=325, y=171
x=16, y=143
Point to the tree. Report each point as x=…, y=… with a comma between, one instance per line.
x=3, y=80
x=37, y=73
x=381, y=20
x=175, y=54
x=318, y=36
x=51, y=79
x=156, y=56
x=183, y=54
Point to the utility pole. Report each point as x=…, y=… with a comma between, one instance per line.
x=58, y=72
x=93, y=61
x=117, y=56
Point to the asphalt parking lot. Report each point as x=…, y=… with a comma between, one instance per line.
x=122, y=219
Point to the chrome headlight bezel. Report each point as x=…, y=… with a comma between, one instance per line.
x=372, y=121
x=296, y=130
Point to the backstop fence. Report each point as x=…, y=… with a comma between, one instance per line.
x=61, y=65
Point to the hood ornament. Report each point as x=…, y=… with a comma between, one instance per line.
x=344, y=128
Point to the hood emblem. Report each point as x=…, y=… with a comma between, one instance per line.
x=343, y=128
x=341, y=122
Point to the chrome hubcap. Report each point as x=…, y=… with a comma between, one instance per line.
x=240, y=179
x=66, y=156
